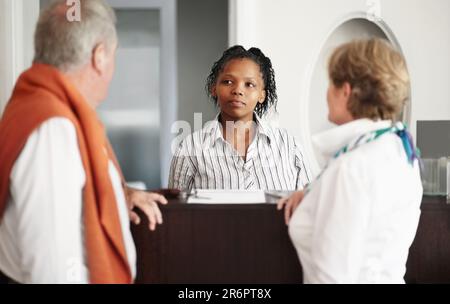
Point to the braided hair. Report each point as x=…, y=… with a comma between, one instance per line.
x=265, y=65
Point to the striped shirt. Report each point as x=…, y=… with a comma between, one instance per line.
x=205, y=160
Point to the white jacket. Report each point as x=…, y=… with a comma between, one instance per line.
x=359, y=218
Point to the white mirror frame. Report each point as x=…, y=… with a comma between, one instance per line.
x=305, y=131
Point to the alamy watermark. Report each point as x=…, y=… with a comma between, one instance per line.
x=73, y=13
x=239, y=130
x=373, y=12
x=74, y=272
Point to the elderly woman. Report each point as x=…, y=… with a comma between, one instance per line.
x=356, y=221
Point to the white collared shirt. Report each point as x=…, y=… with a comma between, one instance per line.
x=359, y=218
x=205, y=160
x=41, y=233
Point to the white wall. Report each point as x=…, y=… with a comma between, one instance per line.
x=17, y=22
x=291, y=33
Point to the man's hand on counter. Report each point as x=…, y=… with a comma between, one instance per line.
x=148, y=203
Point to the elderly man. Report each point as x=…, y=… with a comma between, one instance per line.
x=64, y=207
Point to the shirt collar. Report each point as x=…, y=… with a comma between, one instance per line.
x=327, y=143
x=213, y=128
x=264, y=128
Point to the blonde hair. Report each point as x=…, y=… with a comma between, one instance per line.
x=377, y=74
x=65, y=44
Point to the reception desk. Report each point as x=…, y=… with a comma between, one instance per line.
x=249, y=244
x=429, y=255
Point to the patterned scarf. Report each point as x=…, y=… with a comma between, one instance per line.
x=398, y=128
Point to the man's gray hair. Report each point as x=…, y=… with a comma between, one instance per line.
x=68, y=44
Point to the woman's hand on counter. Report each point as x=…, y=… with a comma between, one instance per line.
x=290, y=203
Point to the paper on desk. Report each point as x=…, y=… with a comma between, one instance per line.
x=227, y=197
